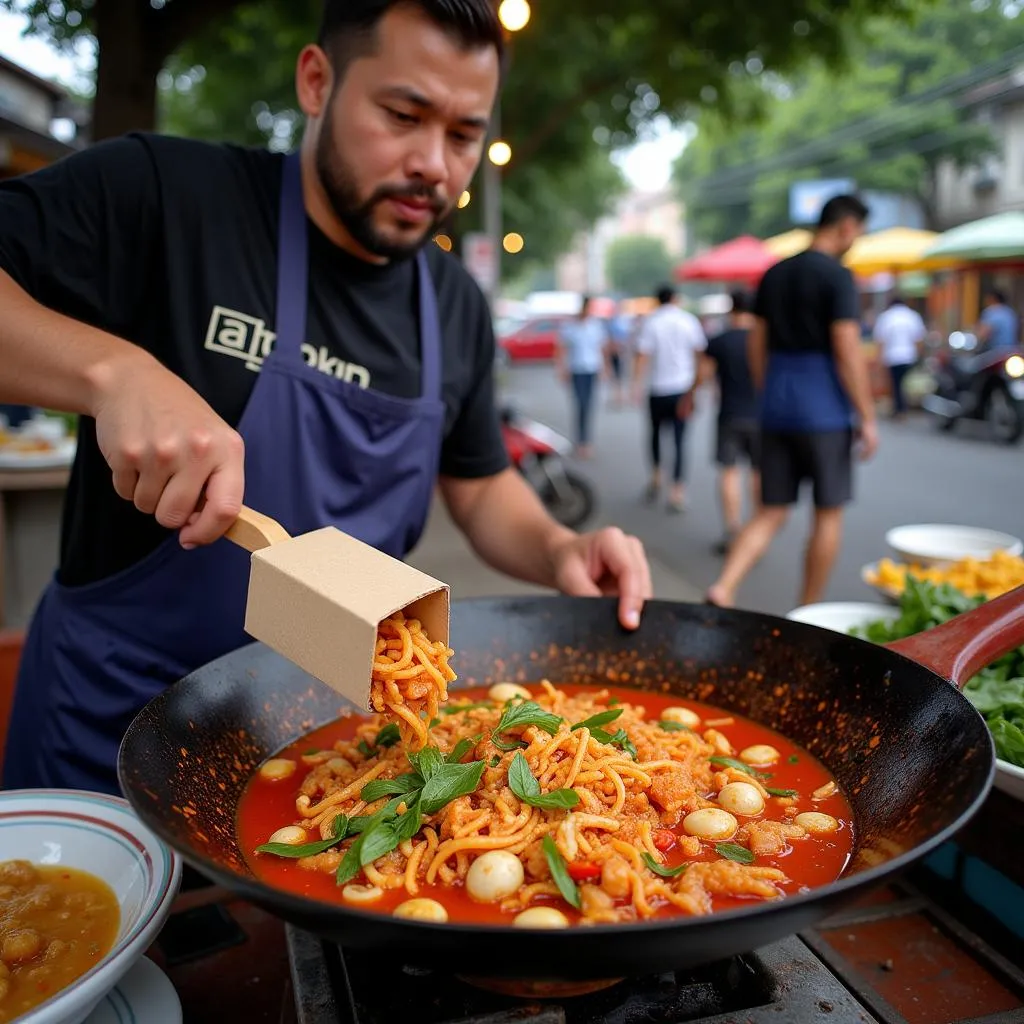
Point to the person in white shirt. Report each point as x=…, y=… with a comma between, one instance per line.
x=667, y=348
x=899, y=330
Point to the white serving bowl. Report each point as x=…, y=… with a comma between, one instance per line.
x=842, y=616
x=99, y=834
x=939, y=544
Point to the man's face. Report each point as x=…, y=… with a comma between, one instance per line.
x=403, y=133
x=850, y=229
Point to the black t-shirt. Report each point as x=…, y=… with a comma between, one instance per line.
x=172, y=244
x=738, y=398
x=801, y=297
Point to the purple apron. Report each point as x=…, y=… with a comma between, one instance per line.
x=319, y=451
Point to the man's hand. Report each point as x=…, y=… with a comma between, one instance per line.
x=605, y=562
x=168, y=450
x=867, y=439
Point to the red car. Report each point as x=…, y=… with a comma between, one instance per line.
x=534, y=339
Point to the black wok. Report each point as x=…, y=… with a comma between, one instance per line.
x=910, y=752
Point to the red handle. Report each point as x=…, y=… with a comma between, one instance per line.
x=960, y=648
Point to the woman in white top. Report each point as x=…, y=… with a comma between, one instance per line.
x=899, y=330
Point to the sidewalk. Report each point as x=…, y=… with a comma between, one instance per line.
x=444, y=553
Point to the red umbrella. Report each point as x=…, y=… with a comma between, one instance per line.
x=743, y=259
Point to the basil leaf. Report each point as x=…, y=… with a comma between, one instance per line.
x=780, y=792
x=612, y=701
x=364, y=748
x=560, y=873
x=660, y=869
x=433, y=722
x=596, y=721
x=379, y=839
x=339, y=830
x=451, y=782
x=730, y=851
x=457, y=709
x=408, y=824
x=793, y=759
x=668, y=726
x=522, y=782
x=731, y=762
x=364, y=821
x=616, y=739
x=427, y=762
x=388, y=736
x=507, y=745
x=377, y=788
x=528, y=713
x=312, y=750
x=349, y=866
x=462, y=748
x=496, y=760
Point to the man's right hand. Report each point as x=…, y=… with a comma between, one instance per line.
x=168, y=450
x=867, y=439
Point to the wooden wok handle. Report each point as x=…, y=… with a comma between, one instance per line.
x=960, y=648
x=254, y=531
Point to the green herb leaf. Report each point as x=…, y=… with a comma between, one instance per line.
x=496, y=760
x=364, y=748
x=309, y=849
x=616, y=739
x=311, y=751
x=731, y=762
x=560, y=873
x=349, y=866
x=522, y=782
x=508, y=745
x=528, y=713
x=428, y=762
x=462, y=748
x=433, y=722
x=660, y=869
x=794, y=759
x=668, y=726
x=457, y=709
x=596, y=721
x=731, y=851
x=377, y=788
x=780, y=792
x=408, y=824
x=451, y=782
x=379, y=839
x=388, y=736
x=612, y=701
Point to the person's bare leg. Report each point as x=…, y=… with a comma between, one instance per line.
x=755, y=492
x=731, y=496
x=746, y=552
x=822, y=549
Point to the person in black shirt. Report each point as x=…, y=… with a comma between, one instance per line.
x=806, y=358
x=739, y=433
x=236, y=323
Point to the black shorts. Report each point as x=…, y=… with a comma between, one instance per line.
x=825, y=459
x=738, y=439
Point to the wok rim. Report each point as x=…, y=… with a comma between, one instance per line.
x=291, y=907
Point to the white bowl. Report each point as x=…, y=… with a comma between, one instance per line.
x=99, y=834
x=938, y=544
x=842, y=616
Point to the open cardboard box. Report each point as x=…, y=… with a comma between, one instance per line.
x=318, y=599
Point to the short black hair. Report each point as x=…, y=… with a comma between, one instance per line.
x=740, y=302
x=348, y=27
x=838, y=208
x=665, y=294
x=996, y=294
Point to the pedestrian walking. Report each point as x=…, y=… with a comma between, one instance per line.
x=899, y=331
x=581, y=358
x=806, y=356
x=668, y=346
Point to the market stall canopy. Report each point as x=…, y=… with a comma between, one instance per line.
x=991, y=238
x=744, y=259
x=789, y=243
x=892, y=250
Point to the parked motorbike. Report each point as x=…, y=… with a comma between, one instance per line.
x=972, y=385
x=540, y=454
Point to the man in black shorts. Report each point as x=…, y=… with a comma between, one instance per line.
x=739, y=432
x=806, y=358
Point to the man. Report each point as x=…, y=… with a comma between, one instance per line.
x=234, y=323
x=899, y=331
x=667, y=348
x=580, y=359
x=806, y=357
x=999, y=327
x=739, y=433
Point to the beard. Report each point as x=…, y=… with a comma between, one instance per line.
x=357, y=214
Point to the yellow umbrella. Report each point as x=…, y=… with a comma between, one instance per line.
x=789, y=243
x=892, y=251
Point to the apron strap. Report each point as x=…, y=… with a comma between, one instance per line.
x=430, y=329
x=292, y=260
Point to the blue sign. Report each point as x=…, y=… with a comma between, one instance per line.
x=806, y=198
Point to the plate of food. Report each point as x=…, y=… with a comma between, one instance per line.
x=28, y=451
x=971, y=576
x=939, y=544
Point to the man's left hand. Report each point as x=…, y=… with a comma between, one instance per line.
x=605, y=562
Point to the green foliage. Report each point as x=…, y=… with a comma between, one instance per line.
x=637, y=264
x=887, y=119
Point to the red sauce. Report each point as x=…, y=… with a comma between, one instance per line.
x=818, y=860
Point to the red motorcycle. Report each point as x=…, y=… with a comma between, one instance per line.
x=540, y=454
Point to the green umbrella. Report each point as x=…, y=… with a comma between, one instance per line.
x=991, y=238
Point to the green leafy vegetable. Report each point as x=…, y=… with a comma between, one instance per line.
x=560, y=873
x=496, y=760
x=388, y=736
x=339, y=830
x=528, y=712
x=457, y=709
x=780, y=792
x=433, y=722
x=408, y=824
x=731, y=851
x=794, y=759
x=612, y=701
x=731, y=762
x=462, y=748
x=427, y=762
x=522, y=782
x=451, y=782
x=615, y=739
x=660, y=869
x=507, y=745
x=673, y=726
x=596, y=721
x=377, y=788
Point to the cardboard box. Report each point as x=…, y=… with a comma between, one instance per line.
x=318, y=599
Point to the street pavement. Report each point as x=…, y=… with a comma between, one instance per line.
x=919, y=475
